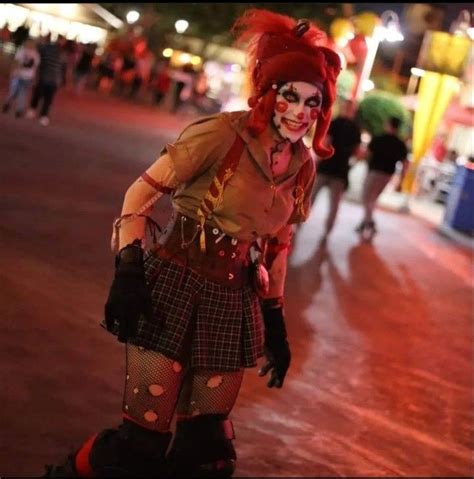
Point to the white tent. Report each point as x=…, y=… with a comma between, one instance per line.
x=85, y=22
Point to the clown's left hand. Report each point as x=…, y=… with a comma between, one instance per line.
x=276, y=347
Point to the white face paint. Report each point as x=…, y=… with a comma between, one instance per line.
x=297, y=106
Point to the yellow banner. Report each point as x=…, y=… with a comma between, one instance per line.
x=442, y=52
x=434, y=95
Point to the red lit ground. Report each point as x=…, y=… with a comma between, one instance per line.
x=381, y=379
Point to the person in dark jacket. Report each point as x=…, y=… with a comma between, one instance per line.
x=384, y=152
x=333, y=173
x=48, y=79
x=83, y=68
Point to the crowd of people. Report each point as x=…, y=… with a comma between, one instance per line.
x=42, y=66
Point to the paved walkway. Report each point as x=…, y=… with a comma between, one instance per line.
x=381, y=334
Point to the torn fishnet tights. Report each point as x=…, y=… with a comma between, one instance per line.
x=153, y=384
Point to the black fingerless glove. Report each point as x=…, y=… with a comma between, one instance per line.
x=129, y=297
x=276, y=347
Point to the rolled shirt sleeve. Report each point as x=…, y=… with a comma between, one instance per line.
x=199, y=146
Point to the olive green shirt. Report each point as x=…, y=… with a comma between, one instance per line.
x=254, y=203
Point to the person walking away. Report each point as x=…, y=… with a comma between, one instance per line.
x=62, y=42
x=345, y=136
x=127, y=71
x=142, y=72
x=161, y=84
x=384, y=151
x=26, y=63
x=108, y=70
x=83, y=68
x=49, y=79
x=183, y=84
x=71, y=51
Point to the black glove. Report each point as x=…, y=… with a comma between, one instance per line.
x=129, y=296
x=276, y=347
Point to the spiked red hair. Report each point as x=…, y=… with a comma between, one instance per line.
x=280, y=49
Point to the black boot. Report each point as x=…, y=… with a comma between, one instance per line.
x=203, y=447
x=129, y=451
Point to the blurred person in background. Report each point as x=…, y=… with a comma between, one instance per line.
x=439, y=147
x=142, y=72
x=384, y=152
x=184, y=79
x=63, y=56
x=345, y=137
x=25, y=65
x=161, y=84
x=126, y=73
x=20, y=35
x=191, y=310
x=4, y=34
x=48, y=80
x=199, y=92
x=108, y=69
x=84, y=67
x=71, y=49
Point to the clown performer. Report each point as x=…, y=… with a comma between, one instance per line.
x=206, y=301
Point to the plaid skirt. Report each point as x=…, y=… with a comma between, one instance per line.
x=199, y=322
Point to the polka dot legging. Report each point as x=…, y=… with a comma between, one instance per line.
x=157, y=386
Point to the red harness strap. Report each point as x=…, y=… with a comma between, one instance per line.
x=158, y=186
x=216, y=190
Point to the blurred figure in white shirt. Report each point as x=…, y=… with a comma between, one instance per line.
x=26, y=63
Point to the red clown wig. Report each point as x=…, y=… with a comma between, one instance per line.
x=280, y=50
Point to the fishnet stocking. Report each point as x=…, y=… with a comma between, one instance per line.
x=208, y=392
x=152, y=385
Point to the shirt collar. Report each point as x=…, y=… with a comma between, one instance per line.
x=299, y=152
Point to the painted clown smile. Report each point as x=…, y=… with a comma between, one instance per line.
x=295, y=126
x=297, y=107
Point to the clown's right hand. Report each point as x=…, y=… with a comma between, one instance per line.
x=129, y=297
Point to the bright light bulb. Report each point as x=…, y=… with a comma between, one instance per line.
x=181, y=26
x=368, y=85
x=132, y=16
x=393, y=34
x=417, y=72
x=185, y=58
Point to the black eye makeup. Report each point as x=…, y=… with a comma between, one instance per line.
x=290, y=96
x=314, y=101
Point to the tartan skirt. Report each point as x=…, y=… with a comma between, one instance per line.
x=199, y=322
